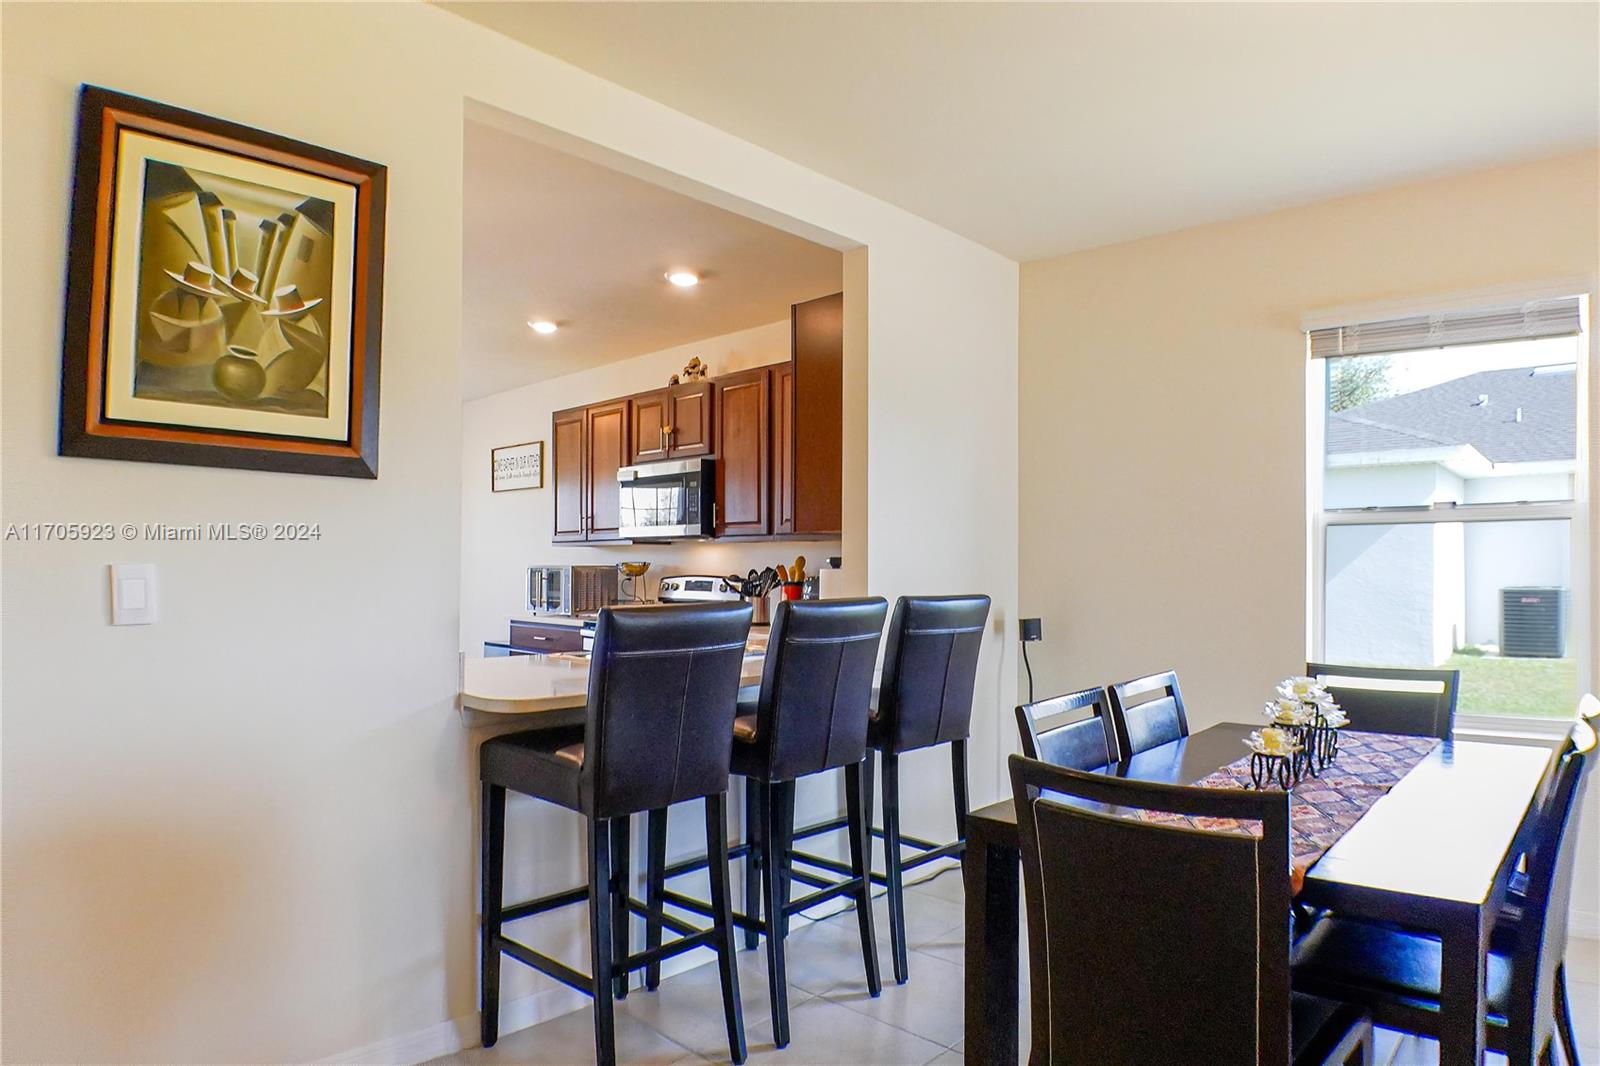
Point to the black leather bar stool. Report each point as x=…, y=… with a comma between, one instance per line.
x=925, y=699
x=663, y=688
x=810, y=716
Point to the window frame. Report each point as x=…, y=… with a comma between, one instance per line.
x=1575, y=511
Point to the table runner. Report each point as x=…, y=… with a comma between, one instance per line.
x=1323, y=808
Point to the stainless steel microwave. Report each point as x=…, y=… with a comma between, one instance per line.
x=671, y=499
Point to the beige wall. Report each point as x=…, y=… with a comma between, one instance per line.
x=503, y=533
x=1162, y=397
x=246, y=833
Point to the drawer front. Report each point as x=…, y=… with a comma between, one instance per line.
x=546, y=638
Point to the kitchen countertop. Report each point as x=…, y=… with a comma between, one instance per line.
x=547, y=684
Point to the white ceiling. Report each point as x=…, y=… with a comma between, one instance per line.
x=1038, y=129
x=551, y=236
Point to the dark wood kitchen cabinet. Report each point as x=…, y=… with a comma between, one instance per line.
x=589, y=445
x=744, y=449
x=780, y=447
x=777, y=433
x=672, y=423
x=809, y=473
x=566, y=469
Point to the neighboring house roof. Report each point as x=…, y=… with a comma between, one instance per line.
x=1450, y=414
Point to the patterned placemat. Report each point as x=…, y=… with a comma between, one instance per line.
x=1323, y=807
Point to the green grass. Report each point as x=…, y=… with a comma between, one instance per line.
x=1523, y=688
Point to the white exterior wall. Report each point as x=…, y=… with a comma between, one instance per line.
x=1519, y=487
x=1399, y=485
x=1383, y=599
x=1501, y=554
x=1394, y=598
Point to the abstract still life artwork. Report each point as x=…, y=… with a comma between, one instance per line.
x=224, y=295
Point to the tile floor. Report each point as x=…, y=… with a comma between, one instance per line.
x=833, y=1020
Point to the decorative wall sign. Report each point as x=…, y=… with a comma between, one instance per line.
x=517, y=466
x=224, y=295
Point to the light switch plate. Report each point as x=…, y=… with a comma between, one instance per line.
x=133, y=594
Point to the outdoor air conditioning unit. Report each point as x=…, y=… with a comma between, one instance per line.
x=1533, y=622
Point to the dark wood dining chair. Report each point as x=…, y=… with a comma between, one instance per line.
x=663, y=688
x=1161, y=942
x=1072, y=730
x=1383, y=699
x=1509, y=923
x=1147, y=712
x=1396, y=973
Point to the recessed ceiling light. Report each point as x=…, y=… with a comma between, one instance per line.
x=683, y=279
x=541, y=326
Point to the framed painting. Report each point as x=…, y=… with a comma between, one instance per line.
x=516, y=466
x=224, y=295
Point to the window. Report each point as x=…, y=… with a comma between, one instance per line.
x=1445, y=530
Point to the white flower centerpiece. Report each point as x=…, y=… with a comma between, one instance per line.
x=1276, y=754
x=1306, y=707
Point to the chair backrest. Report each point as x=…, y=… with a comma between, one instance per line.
x=929, y=669
x=1589, y=709
x=1153, y=942
x=1142, y=723
x=816, y=687
x=1382, y=699
x=1542, y=933
x=1073, y=730
x=663, y=690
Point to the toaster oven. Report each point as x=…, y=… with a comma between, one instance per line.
x=571, y=590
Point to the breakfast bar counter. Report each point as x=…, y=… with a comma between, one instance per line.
x=554, y=687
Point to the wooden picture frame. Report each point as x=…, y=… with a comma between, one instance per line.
x=180, y=344
x=502, y=479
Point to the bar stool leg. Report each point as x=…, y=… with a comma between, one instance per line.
x=621, y=887
x=722, y=906
x=772, y=883
x=600, y=947
x=859, y=813
x=891, y=865
x=752, y=858
x=655, y=865
x=785, y=795
x=492, y=816
x=958, y=773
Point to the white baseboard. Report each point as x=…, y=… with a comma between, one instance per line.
x=458, y=1034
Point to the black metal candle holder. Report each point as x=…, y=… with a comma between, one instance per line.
x=1282, y=770
x=1320, y=741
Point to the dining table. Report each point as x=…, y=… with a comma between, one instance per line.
x=1434, y=853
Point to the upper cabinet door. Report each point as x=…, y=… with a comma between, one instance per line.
x=651, y=417
x=689, y=428
x=607, y=452
x=817, y=332
x=783, y=448
x=743, y=449
x=567, y=463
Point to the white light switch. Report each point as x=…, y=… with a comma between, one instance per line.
x=133, y=594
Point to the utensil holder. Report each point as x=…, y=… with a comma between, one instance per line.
x=762, y=607
x=792, y=590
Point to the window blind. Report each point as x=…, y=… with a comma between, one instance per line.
x=1483, y=325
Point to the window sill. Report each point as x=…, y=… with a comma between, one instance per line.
x=1506, y=730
